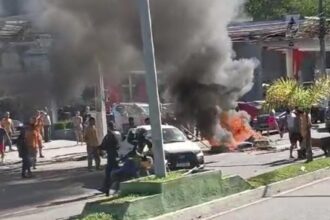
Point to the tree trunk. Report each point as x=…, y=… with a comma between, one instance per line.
x=308, y=139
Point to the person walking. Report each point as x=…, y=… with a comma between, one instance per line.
x=23, y=152
x=47, y=126
x=77, y=122
x=32, y=137
x=3, y=137
x=273, y=124
x=39, y=125
x=92, y=142
x=7, y=124
x=110, y=144
x=293, y=126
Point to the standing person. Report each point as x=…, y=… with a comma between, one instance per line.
x=7, y=124
x=147, y=121
x=131, y=123
x=272, y=123
x=92, y=143
x=110, y=144
x=40, y=129
x=47, y=126
x=305, y=126
x=293, y=126
x=77, y=122
x=23, y=152
x=32, y=137
x=3, y=137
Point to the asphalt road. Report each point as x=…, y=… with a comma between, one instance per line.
x=309, y=202
x=62, y=187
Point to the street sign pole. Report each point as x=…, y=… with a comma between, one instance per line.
x=152, y=87
x=322, y=38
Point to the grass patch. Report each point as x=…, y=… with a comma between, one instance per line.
x=96, y=216
x=288, y=172
x=170, y=176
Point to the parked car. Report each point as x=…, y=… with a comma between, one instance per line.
x=252, y=108
x=318, y=113
x=122, y=111
x=260, y=122
x=179, y=151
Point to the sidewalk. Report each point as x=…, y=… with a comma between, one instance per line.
x=54, y=151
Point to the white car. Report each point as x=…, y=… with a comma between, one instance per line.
x=179, y=151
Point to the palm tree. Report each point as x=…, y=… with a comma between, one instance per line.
x=288, y=93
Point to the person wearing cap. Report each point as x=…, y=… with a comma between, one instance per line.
x=110, y=144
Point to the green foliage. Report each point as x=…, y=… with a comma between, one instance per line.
x=170, y=176
x=288, y=172
x=98, y=216
x=286, y=93
x=63, y=125
x=276, y=9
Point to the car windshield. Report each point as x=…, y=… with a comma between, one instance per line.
x=172, y=135
x=145, y=109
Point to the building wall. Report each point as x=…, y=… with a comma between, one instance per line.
x=246, y=50
x=273, y=65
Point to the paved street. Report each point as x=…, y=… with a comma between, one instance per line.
x=309, y=202
x=63, y=185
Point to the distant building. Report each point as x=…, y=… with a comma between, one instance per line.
x=283, y=50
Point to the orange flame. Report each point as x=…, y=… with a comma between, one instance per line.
x=237, y=124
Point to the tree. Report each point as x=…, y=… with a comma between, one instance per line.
x=288, y=93
x=276, y=9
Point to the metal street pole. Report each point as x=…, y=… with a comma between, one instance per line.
x=101, y=117
x=152, y=87
x=322, y=38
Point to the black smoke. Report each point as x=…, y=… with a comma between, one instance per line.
x=191, y=41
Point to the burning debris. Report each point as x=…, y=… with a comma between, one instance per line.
x=239, y=133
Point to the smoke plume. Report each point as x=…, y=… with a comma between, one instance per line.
x=191, y=41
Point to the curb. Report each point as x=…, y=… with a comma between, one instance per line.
x=214, y=207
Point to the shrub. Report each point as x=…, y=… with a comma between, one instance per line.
x=63, y=125
x=98, y=216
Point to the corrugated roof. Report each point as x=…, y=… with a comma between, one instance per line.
x=275, y=30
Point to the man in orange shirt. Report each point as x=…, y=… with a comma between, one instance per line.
x=32, y=137
x=8, y=125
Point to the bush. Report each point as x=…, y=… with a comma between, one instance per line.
x=59, y=126
x=98, y=216
x=63, y=125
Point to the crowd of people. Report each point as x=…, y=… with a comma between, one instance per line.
x=117, y=169
x=30, y=140
x=297, y=125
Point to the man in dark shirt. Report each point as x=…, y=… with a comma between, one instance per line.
x=110, y=145
x=23, y=153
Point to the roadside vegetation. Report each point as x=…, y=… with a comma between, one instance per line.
x=289, y=172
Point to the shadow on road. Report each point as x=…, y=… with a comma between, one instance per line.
x=47, y=187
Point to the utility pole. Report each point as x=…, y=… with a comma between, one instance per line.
x=322, y=38
x=101, y=118
x=152, y=87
